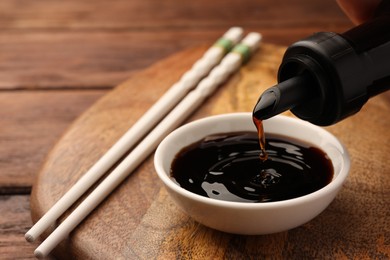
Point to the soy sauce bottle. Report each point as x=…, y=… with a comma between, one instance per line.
x=328, y=76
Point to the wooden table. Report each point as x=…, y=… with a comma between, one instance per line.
x=58, y=57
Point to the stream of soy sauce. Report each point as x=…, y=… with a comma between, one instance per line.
x=227, y=167
x=261, y=136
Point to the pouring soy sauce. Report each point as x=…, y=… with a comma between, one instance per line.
x=322, y=79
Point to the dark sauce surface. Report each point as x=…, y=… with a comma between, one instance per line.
x=228, y=167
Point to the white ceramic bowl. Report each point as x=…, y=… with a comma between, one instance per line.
x=252, y=218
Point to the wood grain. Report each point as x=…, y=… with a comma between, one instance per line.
x=14, y=222
x=76, y=44
x=139, y=220
x=28, y=131
x=69, y=60
x=136, y=15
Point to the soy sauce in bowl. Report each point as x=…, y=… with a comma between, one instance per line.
x=228, y=167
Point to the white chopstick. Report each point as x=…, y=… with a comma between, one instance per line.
x=218, y=75
x=189, y=80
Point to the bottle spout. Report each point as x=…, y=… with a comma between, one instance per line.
x=283, y=96
x=266, y=105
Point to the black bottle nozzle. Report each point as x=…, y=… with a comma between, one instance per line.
x=284, y=96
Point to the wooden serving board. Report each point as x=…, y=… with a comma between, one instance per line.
x=139, y=220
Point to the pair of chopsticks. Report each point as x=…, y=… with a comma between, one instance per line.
x=216, y=65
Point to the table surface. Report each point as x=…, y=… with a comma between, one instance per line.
x=58, y=57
